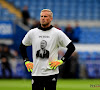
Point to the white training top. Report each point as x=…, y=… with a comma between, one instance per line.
x=45, y=45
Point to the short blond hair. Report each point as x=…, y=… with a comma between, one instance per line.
x=48, y=10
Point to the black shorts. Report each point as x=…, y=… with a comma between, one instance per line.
x=41, y=82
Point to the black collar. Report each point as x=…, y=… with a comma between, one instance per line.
x=45, y=29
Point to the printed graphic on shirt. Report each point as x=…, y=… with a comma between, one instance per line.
x=32, y=81
x=42, y=53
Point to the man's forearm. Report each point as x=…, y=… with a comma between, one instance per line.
x=70, y=50
x=23, y=52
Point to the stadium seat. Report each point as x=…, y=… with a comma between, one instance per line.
x=81, y=8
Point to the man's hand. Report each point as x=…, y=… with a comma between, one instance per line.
x=29, y=66
x=55, y=64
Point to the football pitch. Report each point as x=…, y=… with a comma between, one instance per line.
x=62, y=84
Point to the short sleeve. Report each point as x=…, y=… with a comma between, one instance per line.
x=27, y=39
x=63, y=39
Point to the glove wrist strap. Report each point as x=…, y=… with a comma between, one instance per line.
x=26, y=59
x=63, y=59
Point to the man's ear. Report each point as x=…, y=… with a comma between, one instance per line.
x=51, y=19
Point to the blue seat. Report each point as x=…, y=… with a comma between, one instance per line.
x=10, y=1
x=5, y=14
x=12, y=17
x=18, y=4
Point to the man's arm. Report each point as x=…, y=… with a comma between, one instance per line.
x=70, y=50
x=23, y=52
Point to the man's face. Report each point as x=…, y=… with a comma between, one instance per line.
x=45, y=18
x=43, y=44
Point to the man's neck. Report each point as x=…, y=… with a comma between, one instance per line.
x=46, y=26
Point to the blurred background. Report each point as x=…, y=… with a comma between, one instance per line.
x=78, y=19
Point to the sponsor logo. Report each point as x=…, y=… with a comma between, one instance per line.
x=94, y=85
x=53, y=79
x=32, y=81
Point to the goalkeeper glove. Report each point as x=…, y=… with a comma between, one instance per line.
x=29, y=66
x=55, y=64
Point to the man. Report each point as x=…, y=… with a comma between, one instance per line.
x=43, y=53
x=76, y=34
x=69, y=31
x=5, y=66
x=25, y=15
x=45, y=70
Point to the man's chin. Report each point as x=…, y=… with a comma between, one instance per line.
x=45, y=24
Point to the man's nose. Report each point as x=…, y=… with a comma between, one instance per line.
x=43, y=17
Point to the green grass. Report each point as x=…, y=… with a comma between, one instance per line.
x=62, y=84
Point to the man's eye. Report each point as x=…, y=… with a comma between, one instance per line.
x=43, y=16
